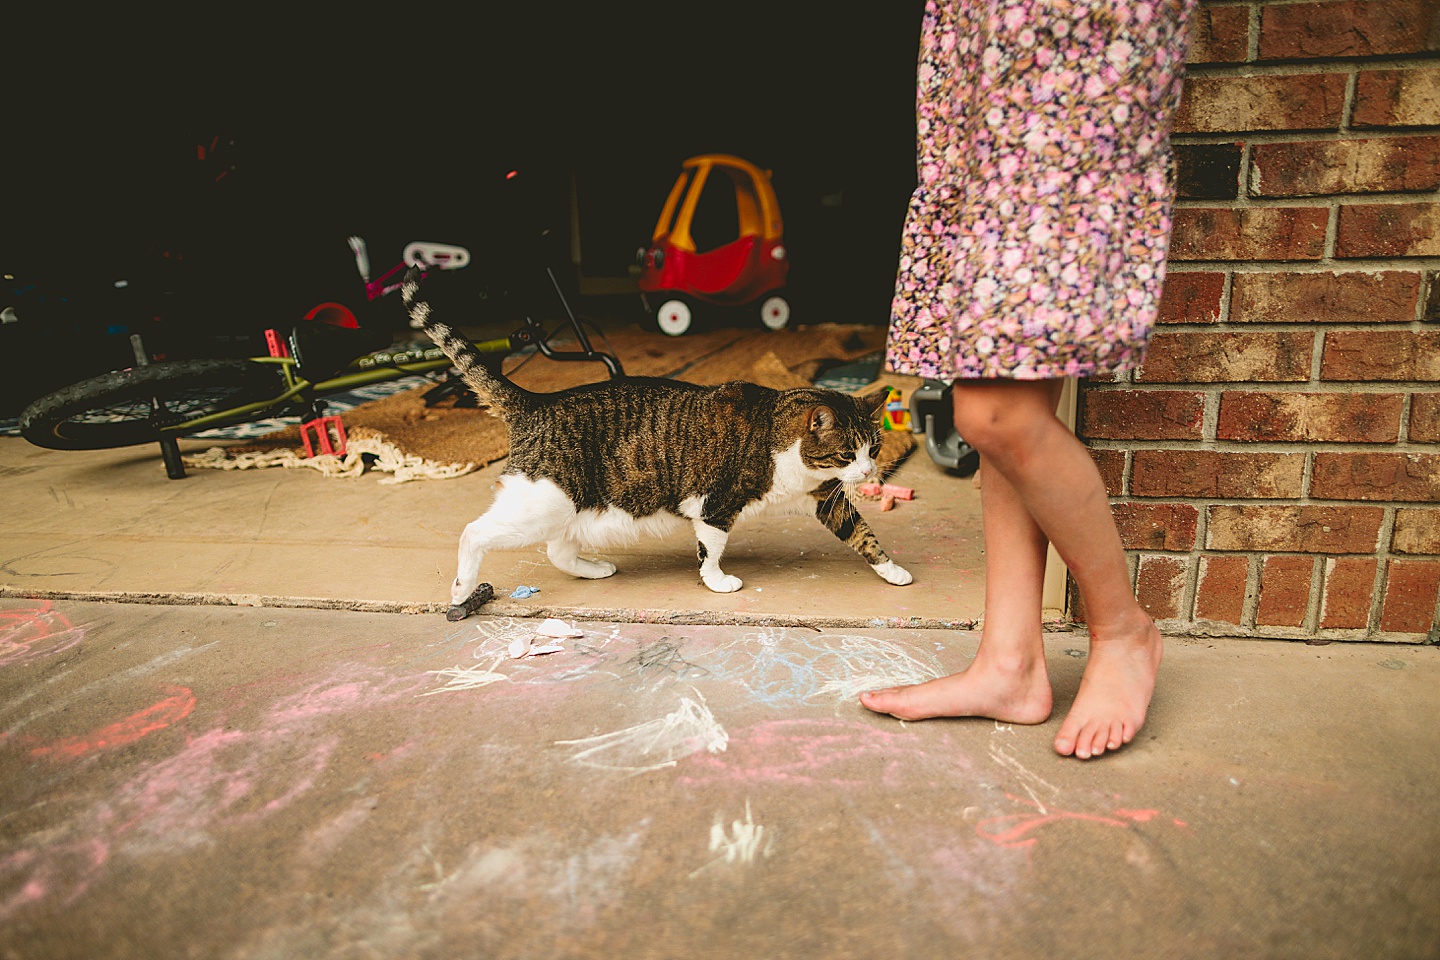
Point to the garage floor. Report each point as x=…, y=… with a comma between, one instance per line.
x=234, y=724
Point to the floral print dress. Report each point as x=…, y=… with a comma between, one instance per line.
x=1035, y=243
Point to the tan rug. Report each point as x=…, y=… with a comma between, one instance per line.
x=400, y=436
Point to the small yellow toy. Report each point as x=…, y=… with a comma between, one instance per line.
x=896, y=417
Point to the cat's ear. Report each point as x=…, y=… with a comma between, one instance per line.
x=821, y=418
x=873, y=403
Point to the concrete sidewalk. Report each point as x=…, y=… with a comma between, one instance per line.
x=262, y=783
x=254, y=751
x=109, y=522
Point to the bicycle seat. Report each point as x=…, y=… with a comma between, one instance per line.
x=323, y=350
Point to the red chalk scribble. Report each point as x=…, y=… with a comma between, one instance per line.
x=33, y=631
x=1139, y=816
x=1014, y=830
x=155, y=717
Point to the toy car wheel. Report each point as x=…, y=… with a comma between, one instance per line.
x=674, y=317
x=775, y=313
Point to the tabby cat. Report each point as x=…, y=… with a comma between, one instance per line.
x=604, y=463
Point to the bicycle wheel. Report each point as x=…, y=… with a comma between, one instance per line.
x=119, y=409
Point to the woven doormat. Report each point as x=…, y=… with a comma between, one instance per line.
x=401, y=437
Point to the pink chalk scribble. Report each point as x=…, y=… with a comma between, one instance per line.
x=63, y=871
x=222, y=778
x=811, y=751
x=157, y=716
x=34, y=631
x=1016, y=830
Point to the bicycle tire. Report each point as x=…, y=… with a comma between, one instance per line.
x=116, y=409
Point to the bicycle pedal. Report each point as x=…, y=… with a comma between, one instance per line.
x=329, y=433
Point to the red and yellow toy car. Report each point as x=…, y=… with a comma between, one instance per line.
x=748, y=271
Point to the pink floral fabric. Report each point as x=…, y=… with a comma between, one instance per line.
x=1035, y=243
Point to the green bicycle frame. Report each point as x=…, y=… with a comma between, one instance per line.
x=373, y=368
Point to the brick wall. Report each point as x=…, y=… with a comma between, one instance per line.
x=1275, y=465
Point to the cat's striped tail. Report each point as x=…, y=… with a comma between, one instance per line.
x=489, y=387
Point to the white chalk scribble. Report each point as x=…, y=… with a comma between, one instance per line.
x=688, y=729
x=742, y=843
x=1028, y=780
x=467, y=678
x=782, y=666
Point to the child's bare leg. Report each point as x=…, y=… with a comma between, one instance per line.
x=1007, y=680
x=1013, y=424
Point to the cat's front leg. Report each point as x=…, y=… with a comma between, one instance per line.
x=712, y=544
x=834, y=509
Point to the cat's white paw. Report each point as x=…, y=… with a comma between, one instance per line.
x=892, y=572
x=724, y=583
x=593, y=569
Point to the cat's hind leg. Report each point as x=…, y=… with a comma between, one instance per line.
x=525, y=511
x=565, y=555
x=834, y=509
x=712, y=542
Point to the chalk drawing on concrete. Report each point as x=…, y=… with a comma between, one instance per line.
x=34, y=631
x=660, y=662
x=60, y=873
x=689, y=728
x=467, y=678
x=158, y=716
x=1029, y=782
x=782, y=667
x=741, y=842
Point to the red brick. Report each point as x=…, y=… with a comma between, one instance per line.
x=1425, y=417
x=1389, y=230
x=1380, y=355
x=1196, y=357
x=1207, y=171
x=1297, y=528
x=1219, y=35
x=1306, y=101
x=1397, y=98
x=1192, y=297
x=1111, y=464
x=1141, y=414
x=1344, y=166
x=1160, y=585
x=1357, y=28
x=1417, y=531
x=1310, y=417
x=1411, y=588
x=1284, y=591
x=1220, y=592
x=1254, y=233
x=1387, y=296
x=1156, y=526
x=1207, y=473
x=1349, y=593
x=1394, y=477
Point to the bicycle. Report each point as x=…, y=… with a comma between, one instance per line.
x=163, y=401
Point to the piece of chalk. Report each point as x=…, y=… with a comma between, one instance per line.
x=899, y=493
x=483, y=594
x=553, y=627
x=887, y=502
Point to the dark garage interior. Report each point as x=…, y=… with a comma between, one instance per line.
x=215, y=165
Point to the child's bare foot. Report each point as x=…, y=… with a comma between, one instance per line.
x=1010, y=694
x=1114, y=693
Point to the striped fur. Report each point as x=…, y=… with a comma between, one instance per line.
x=606, y=463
